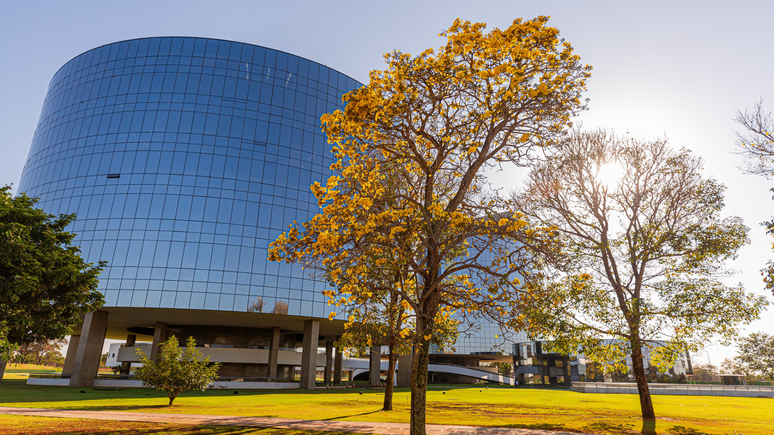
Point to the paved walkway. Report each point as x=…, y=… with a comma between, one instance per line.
x=278, y=423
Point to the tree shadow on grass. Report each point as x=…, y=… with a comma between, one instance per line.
x=118, y=407
x=614, y=428
x=18, y=392
x=537, y=426
x=347, y=416
x=683, y=430
x=13, y=391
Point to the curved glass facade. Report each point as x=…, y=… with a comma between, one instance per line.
x=183, y=158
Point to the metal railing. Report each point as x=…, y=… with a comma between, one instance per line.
x=610, y=386
x=478, y=369
x=252, y=379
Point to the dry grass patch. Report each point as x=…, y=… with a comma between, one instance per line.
x=25, y=425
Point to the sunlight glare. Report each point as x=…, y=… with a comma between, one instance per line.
x=609, y=174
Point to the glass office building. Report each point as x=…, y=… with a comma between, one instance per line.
x=183, y=158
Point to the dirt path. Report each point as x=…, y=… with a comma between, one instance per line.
x=277, y=423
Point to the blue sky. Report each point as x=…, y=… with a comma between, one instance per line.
x=661, y=68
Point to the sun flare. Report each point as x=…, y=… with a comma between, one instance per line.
x=610, y=173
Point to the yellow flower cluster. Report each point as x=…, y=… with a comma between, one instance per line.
x=408, y=233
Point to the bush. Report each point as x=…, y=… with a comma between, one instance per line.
x=175, y=370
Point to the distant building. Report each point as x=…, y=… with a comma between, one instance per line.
x=533, y=365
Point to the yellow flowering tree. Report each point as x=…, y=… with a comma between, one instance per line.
x=411, y=153
x=647, y=245
x=378, y=312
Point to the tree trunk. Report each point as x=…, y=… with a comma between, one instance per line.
x=395, y=322
x=646, y=405
x=419, y=385
x=2, y=368
x=390, y=377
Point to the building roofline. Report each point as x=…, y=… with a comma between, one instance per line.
x=200, y=37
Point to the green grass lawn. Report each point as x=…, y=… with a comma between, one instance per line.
x=23, y=371
x=506, y=407
x=31, y=368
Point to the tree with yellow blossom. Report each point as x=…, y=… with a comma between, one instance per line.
x=382, y=316
x=412, y=150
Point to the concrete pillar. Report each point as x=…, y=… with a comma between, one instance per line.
x=690, y=366
x=72, y=350
x=309, y=354
x=89, y=349
x=374, y=365
x=274, y=352
x=328, y=362
x=126, y=367
x=337, y=365
x=404, y=370
x=159, y=336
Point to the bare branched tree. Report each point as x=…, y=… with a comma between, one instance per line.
x=756, y=141
x=643, y=229
x=256, y=306
x=280, y=307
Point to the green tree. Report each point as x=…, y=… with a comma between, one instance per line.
x=646, y=246
x=704, y=373
x=438, y=121
x=756, y=355
x=175, y=370
x=44, y=283
x=386, y=318
x=40, y=352
x=379, y=319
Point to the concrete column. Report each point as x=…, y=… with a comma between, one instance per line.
x=159, y=336
x=274, y=351
x=309, y=354
x=328, y=361
x=337, y=365
x=89, y=349
x=690, y=366
x=72, y=350
x=126, y=367
x=404, y=370
x=374, y=365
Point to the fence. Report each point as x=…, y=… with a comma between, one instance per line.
x=675, y=389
